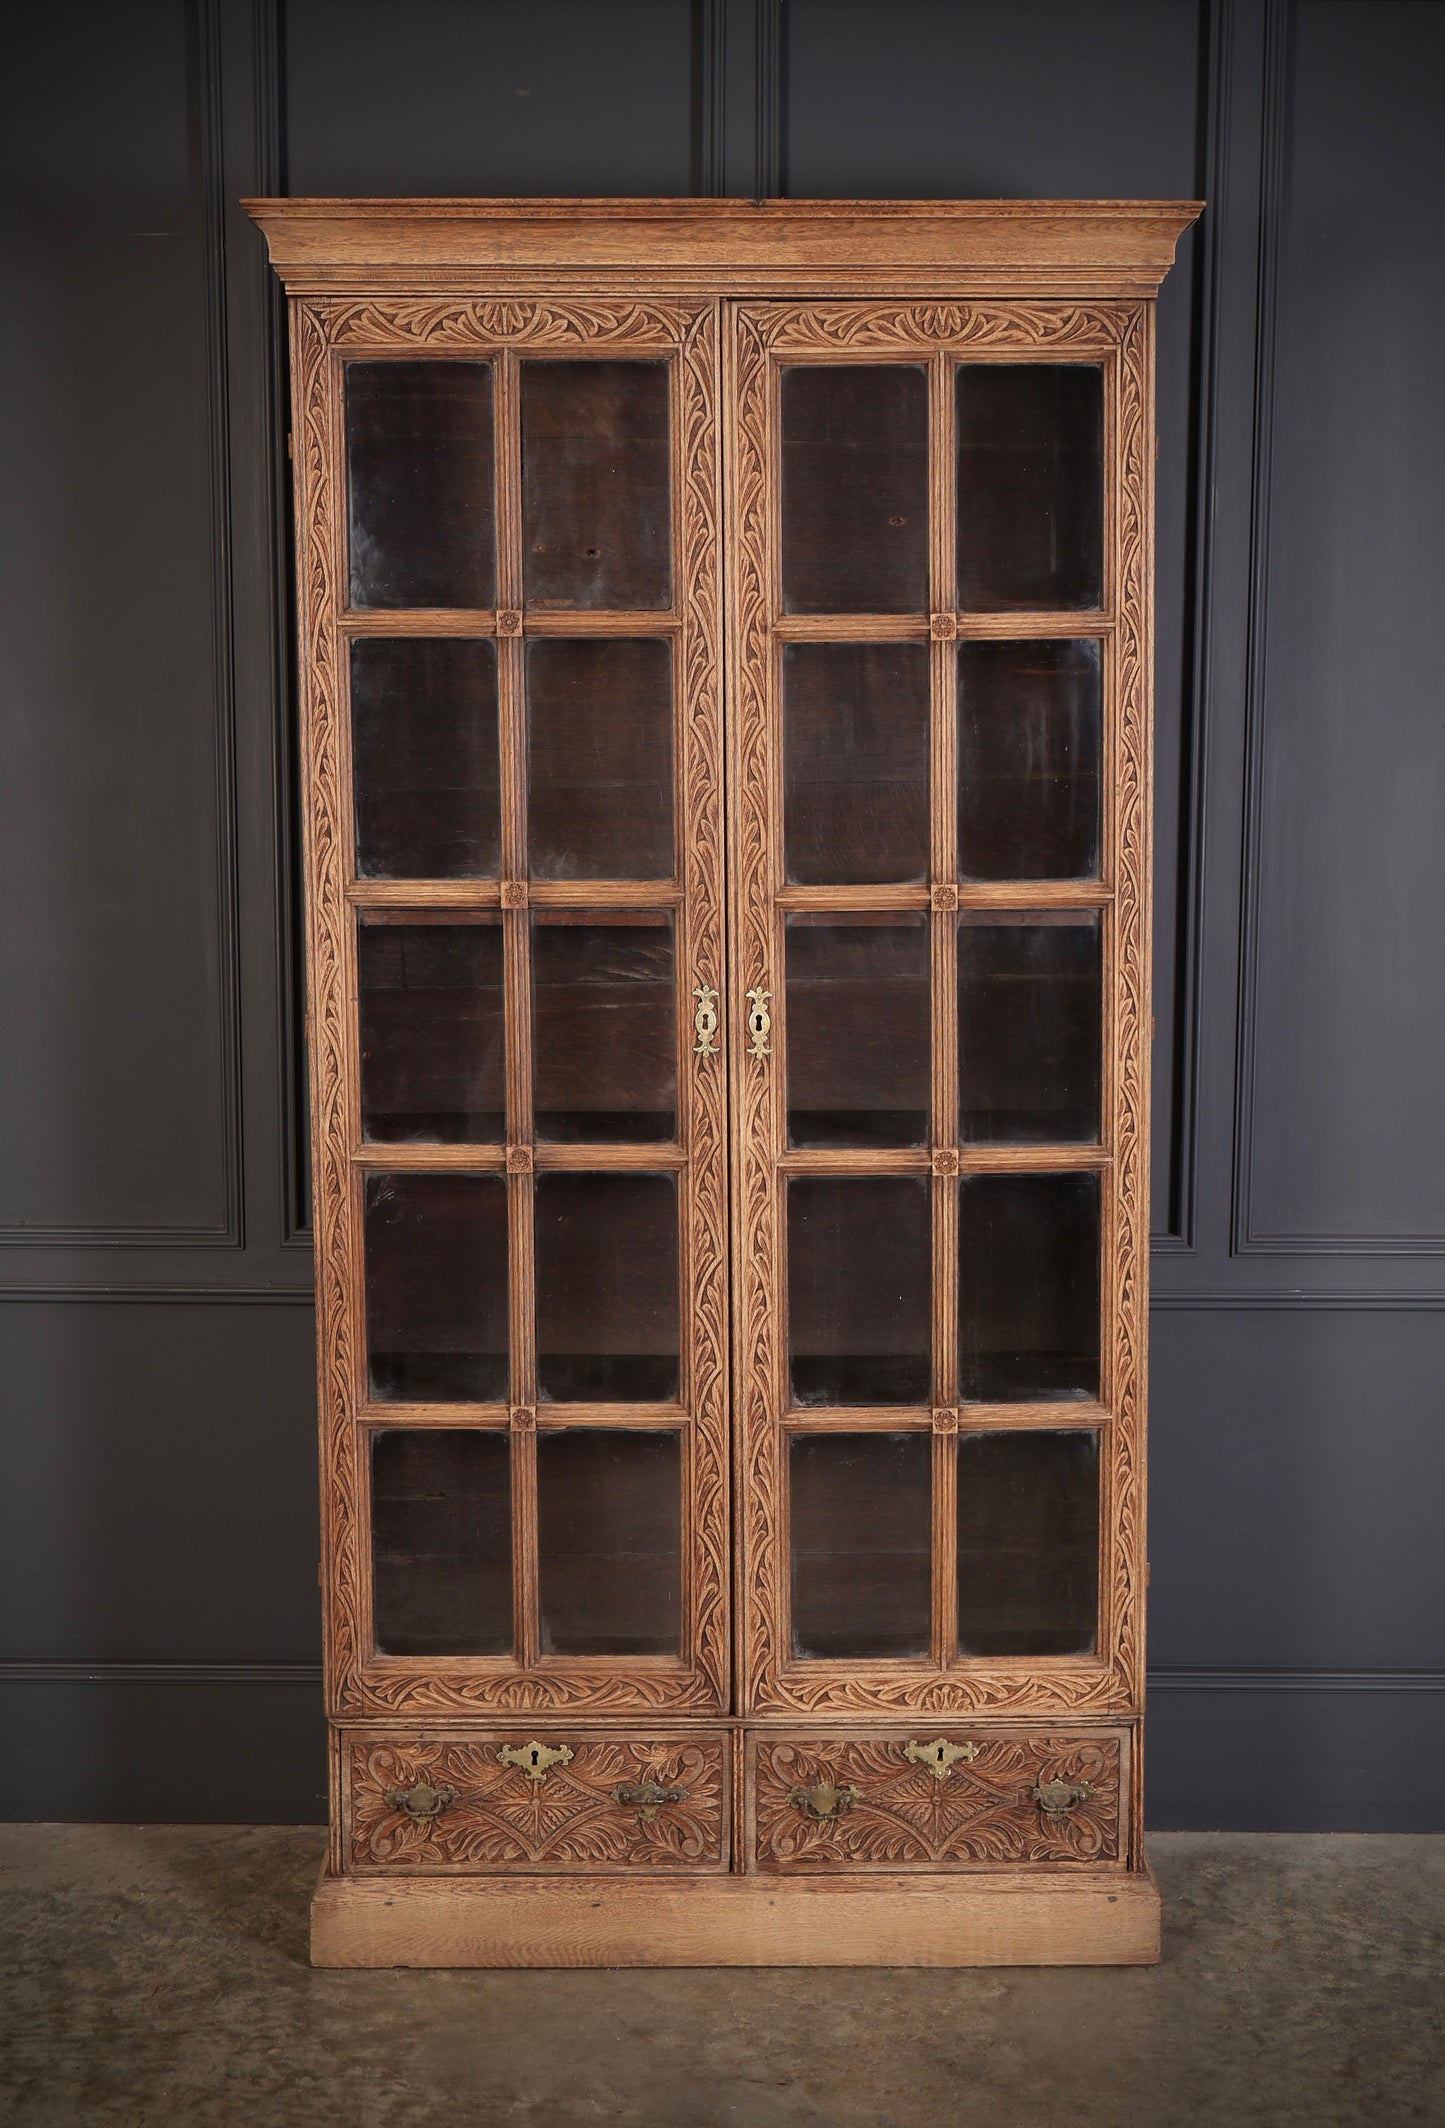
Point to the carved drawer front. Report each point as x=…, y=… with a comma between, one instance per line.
x=935, y=1800
x=543, y=1801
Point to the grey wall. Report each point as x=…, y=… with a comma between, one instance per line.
x=158, y=1609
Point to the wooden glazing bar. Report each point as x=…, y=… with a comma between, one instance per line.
x=913, y=1160
x=943, y=861
x=1059, y=1416
x=851, y=628
x=425, y=893
x=855, y=1160
x=913, y=628
x=1055, y=621
x=604, y=894
x=971, y=894
x=517, y=985
x=1030, y=1159
x=492, y=1418
x=945, y=1547
x=657, y=1417
x=857, y=1418
x=595, y=1157
x=589, y=620
x=417, y=620
x=854, y=897
x=945, y=1290
x=1034, y=894
x=415, y=1159
x=526, y=1600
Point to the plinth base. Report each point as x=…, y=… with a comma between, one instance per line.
x=1042, y=1918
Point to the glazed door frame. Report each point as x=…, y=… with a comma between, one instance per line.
x=759, y=338
x=327, y=333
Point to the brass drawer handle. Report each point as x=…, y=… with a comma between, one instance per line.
x=938, y=1756
x=760, y=1024
x=1056, y=1798
x=705, y=1020
x=647, y=1797
x=823, y=1801
x=535, y=1760
x=423, y=1802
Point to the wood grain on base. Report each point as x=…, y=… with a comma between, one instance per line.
x=987, y=1920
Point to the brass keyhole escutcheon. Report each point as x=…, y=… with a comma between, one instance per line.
x=705, y=1020
x=1057, y=1798
x=939, y=1757
x=535, y=1760
x=647, y=1797
x=422, y=1803
x=824, y=1801
x=760, y=1024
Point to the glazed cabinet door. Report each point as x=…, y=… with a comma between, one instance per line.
x=938, y=761
x=513, y=740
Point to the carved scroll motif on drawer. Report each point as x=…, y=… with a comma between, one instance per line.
x=1006, y=1801
x=602, y=1806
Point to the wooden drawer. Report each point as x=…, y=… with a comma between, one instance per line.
x=936, y=1799
x=540, y=1801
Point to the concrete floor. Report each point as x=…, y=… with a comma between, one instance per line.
x=157, y=1974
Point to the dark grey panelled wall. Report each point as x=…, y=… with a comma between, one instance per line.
x=158, y=1611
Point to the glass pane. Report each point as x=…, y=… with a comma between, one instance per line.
x=1028, y=1275
x=441, y=1533
x=1030, y=484
x=419, y=472
x=860, y=1520
x=855, y=489
x=609, y=1512
x=607, y=1306
x=1029, y=1042
x=855, y=763
x=859, y=1254
x=436, y=1288
x=859, y=1062
x=606, y=1047
x=433, y=1058
x=1028, y=1543
x=597, y=521
x=424, y=758
x=1028, y=760
x=599, y=759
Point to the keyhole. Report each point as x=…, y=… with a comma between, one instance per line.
x=535, y=1756
x=897, y=520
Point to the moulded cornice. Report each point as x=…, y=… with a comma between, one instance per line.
x=726, y=247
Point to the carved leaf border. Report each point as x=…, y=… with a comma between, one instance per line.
x=357, y=1681
x=814, y=329
x=1119, y=334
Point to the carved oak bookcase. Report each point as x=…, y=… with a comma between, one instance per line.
x=725, y=671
